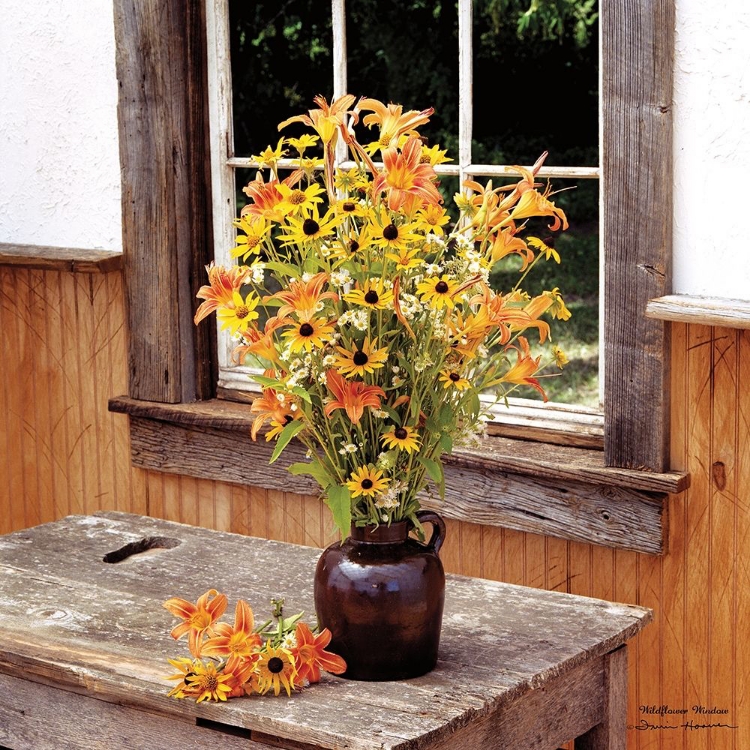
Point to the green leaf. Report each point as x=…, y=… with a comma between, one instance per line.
x=338, y=499
x=287, y=269
x=285, y=436
x=298, y=390
x=268, y=382
x=446, y=442
x=435, y=472
x=315, y=470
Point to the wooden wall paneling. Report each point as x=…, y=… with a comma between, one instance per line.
x=89, y=388
x=240, y=509
x=23, y=403
x=471, y=549
x=171, y=497
x=626, y=591
x=155, y=495
x=312, y=511
x=535, y=572
x=58, y=429
x=492, y=549
x=206, y=503
x=672, y=612
x=741, y=615
x=722, y=503
x=6, y=523
x=603, y=572
x=514, y=556
x=9, y=340
x=556, y=557
x=451, y=551
x=579, y=568
x=293, y=518
x=222, y=506
x=100, y=363
x=276, y=514
x=40, y=355
x=258, y=513
x=699, y=399
x=649, y=643
x=189, y=501
x=69, y=344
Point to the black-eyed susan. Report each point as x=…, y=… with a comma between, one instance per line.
x=453, y=379
x=308, y=334
x=402, y=438
x=304, y=229
x=366, y=481
x=356, y=361
x=373, y=293
x=298, y=202
x=437, y=291
x=350, y=207
x=239, y=314
x=206, y=683
x=276, y=669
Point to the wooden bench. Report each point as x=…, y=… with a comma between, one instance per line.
x=84, y=644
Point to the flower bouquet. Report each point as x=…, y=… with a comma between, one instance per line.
x=369, y=310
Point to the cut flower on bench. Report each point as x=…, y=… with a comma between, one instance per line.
x=229, y=661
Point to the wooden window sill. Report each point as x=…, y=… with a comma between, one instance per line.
x=70, y=259
x=556, y=490
x=711, y=311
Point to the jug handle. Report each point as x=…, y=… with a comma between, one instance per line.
x=435, y=542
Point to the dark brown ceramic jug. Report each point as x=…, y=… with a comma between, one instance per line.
x=381, y=595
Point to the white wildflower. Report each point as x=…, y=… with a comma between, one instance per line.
x=257, y=272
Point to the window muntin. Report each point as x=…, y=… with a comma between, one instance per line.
x=228, y=163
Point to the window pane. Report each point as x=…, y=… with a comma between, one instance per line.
x=407, y=53
x=281, y=58
x=535, y=82
x=577, y=277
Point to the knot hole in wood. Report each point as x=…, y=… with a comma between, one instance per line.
x=147, y=545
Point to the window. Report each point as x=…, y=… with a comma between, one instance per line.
x=372, y=53
x=167, y=241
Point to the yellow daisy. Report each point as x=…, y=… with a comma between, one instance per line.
x=406, y=258
x=297, y=201
x=432, y=218
x=239, y=314
x=307, y=334
x=206, y=683
x=403, y=438
x=366, y=481
x=437, y=292
x=275, y=669
x=452, y=379
x=255, y=229
x=360, y=361
x=270, y=156
x=373, y=294
x=303, y=142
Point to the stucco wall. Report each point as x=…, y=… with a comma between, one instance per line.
x=59, y=159
x=711, y=149
x=59, y=168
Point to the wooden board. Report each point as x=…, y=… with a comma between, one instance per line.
x=70, y=259
x=70, y=620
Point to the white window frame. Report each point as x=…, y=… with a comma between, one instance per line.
x=233, y=377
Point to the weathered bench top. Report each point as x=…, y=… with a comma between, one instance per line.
x=72, y=621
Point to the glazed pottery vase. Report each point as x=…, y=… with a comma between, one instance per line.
x=381, y=595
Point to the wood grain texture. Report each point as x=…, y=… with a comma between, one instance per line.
x=637, y=41
x=165, y=194
x=546, y=654
x=607, y=515
x=711, y=311
x=68, y=259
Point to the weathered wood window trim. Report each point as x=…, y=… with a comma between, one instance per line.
x=162, y=72
x=70, y=259
x=709, y=311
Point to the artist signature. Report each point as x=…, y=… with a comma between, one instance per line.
x=643, y=726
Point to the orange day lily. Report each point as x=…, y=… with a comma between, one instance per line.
x=302, y=297
x=269, y=408
x=222, y=284
x=238, y=642
x=404, y=175
x=521, y=373
x=198, y=618
x=352, y=396
x=310, y=654
x=392, y=119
